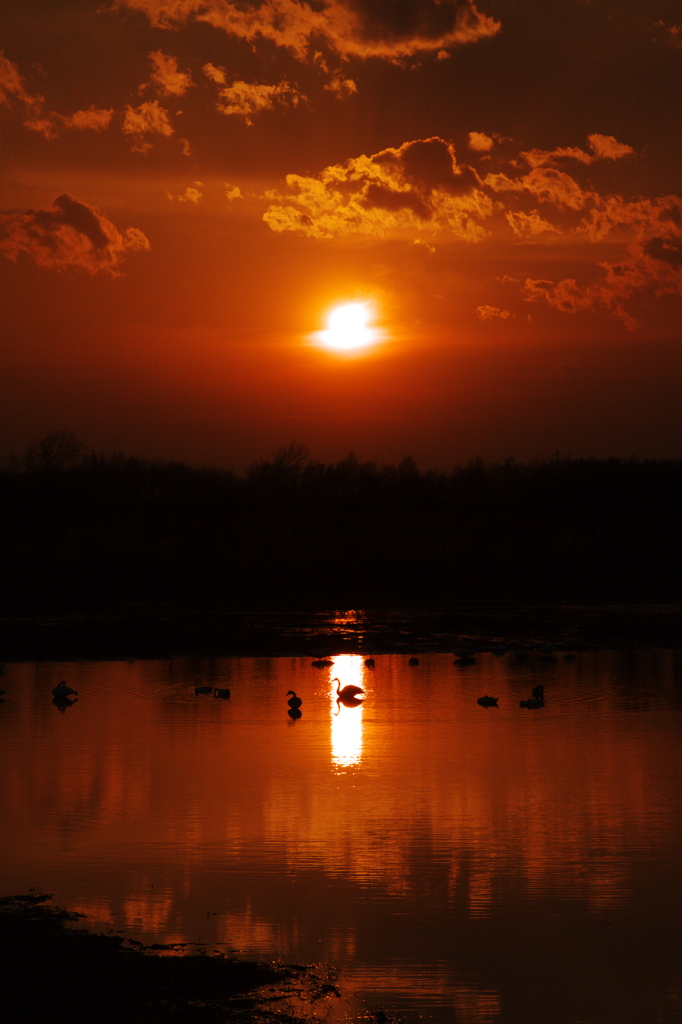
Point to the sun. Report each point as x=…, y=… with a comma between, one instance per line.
x=350, y=326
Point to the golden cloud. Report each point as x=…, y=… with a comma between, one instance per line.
x=244, y=99
x=166, y=77
x=351, y=28
x=70, y=234
x=93, y=119
x=147, y=118
x=492, y=313
x=419, y=188
x=479, y=142
x=416, y=188
x=192, y=194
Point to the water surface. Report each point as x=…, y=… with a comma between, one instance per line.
x=452, y=862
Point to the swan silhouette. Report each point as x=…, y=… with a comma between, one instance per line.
x=223, y=694
x=487, y=702
x=348, y=691
x=62, y=690
x=349, y=695
x=294, y=702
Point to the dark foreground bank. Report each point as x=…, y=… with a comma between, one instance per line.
x=52, y=971
x=162, y=630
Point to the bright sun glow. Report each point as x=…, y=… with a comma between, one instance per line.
x=349, y=326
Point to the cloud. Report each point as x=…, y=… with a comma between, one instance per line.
x=147, y=118
x=70, y=234
x=351, y=28
x=192, y=194
x=12, y=87
x=479, y=142
x=341, y=86
x=529, y=225
x=166, y=77
x=651, y=262
x=244, y=99
x=419, y=189
x=93, y=119
x=216, y=74
x=672, y=34
x=604, y=147
x=492, y=313
x=397, y=192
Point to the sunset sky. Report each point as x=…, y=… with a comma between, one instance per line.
x=189, y=188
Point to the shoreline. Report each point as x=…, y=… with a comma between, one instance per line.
x=156, y=630
x=53, y=969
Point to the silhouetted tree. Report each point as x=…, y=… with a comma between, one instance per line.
x=54, y=452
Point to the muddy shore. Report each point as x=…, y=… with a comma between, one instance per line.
x=51, y=969
x=169, y=630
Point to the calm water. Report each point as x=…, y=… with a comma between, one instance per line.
x=454, y=863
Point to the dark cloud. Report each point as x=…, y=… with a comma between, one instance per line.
x=427, y=164
x=71, y=234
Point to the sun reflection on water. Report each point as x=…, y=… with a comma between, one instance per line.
x=346, y=722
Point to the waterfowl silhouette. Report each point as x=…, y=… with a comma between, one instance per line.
x=294, y=702
x=413, y=661
x=532, y=703
x=464, y=653
x=61, y=690
x=347, y=692
x=294, y=714
x=202, y=689
x=538, y=692
x=321, y=663
x=487, y=702
x=369, y=662
x=223, y=693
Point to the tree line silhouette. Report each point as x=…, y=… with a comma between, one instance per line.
x=81, y=526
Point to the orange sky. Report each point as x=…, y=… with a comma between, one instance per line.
x=188, y=187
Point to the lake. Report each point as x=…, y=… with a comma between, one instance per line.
x=452, y=862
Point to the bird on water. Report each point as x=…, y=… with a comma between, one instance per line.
x=348, y=695
x=487, y=702
x=348, y=691
x=294, y=702
x=223, y=693
x=62, y=690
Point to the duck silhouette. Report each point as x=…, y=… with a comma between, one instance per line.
x=61, y=690
x=223, y=693
x=294, y=702
x=532, y=703
x=369, y=662
x=487, y=702
x=202, y=689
